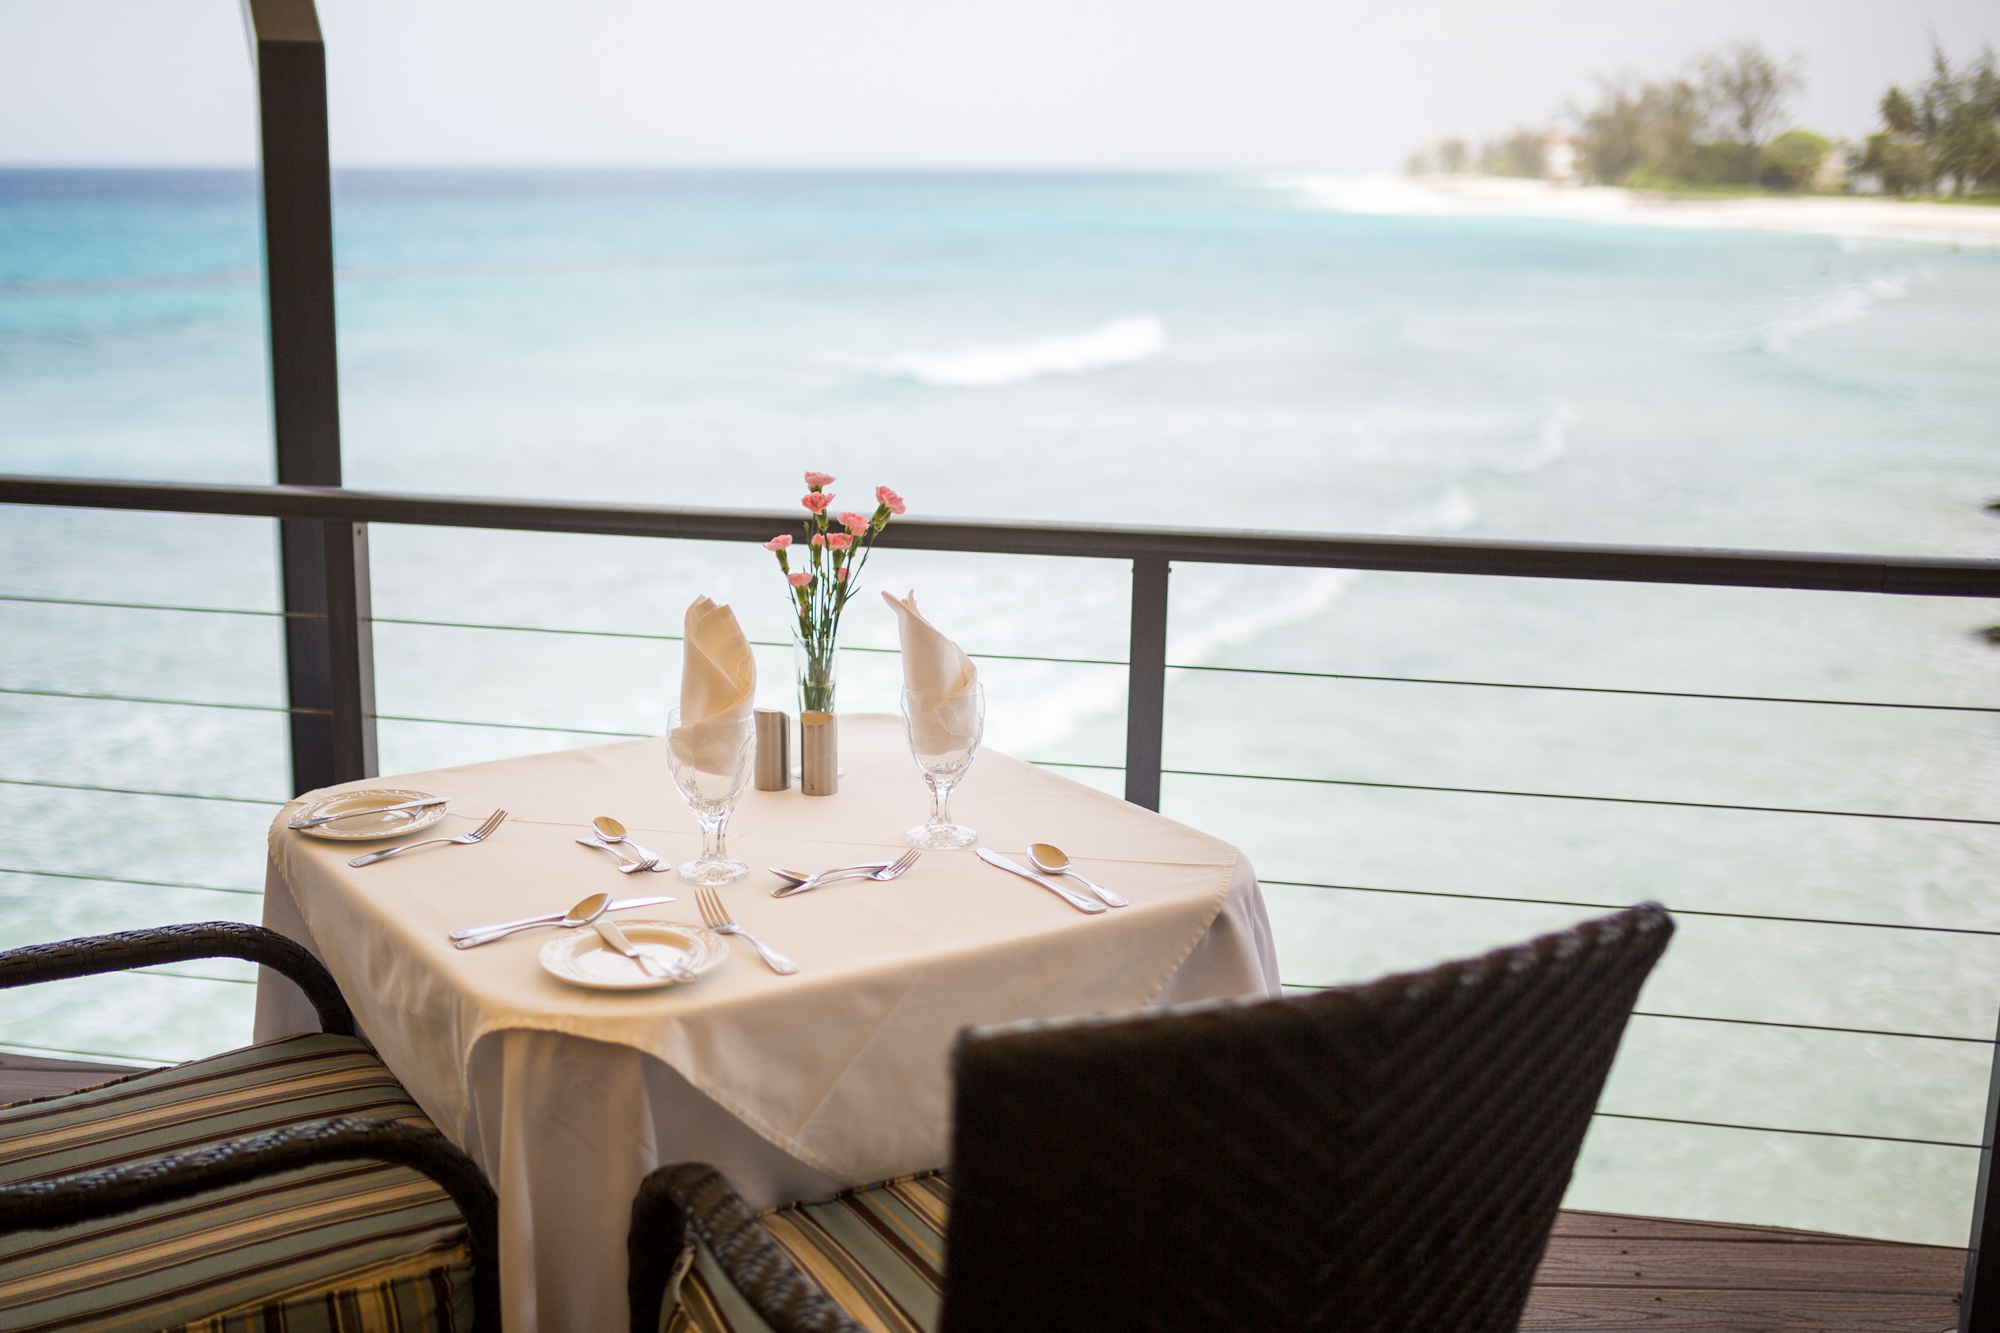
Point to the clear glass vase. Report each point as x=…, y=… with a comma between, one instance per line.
x=817, y=662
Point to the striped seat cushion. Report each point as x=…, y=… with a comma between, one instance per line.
x=339, y=1248
x=878, y=1252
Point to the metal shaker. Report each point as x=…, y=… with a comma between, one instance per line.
x=819, y=754
x=774, y=750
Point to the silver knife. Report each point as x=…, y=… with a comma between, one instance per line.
x=372, y=810
x=551, y=918
x=1076, y=900
x=609, y=932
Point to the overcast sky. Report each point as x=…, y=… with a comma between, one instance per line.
x=921, y=83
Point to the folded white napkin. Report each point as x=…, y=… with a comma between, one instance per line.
x=718, y=688
x=939, y=670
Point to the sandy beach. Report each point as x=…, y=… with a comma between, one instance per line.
x=1883, y=219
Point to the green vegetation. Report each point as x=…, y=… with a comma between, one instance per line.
x=1705, y=127
x=1943, y=141
x=1522, y=153
x=1710, y=130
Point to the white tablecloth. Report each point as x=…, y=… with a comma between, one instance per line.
x=793, y=1086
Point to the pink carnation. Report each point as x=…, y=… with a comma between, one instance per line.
x=779, y=542
x=889, y=499
x=815, y=480
x=817, y=501
x=819, y=539
x=854, y=523
x=799, y=580
x=842, y=574
x=839, y=541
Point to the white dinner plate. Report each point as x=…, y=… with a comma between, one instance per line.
x=581, y=955
x=360, y=827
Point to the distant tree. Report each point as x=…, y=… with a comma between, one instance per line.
x=1792, y=160
x=1900, y=164
x=1641, y=131
x=1525, y=152
x=1453, y=155
x=1958, y=114
x=1947, y=136
x=1898, y=112
x=1749, y=91
x=1613, y=139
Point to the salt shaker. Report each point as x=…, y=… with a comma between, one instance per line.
x=774, y=750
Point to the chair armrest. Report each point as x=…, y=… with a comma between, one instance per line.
x=178, y=944
x=83, y=1196
x=696, y=1196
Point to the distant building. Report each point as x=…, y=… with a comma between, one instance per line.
x=1559, y=157
x=1838, y=171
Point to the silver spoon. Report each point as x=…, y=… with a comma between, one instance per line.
x=1052, y=860
x=625, y=867
x=582, y=914
x=611, y=830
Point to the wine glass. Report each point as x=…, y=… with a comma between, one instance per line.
x=944, y=732
x=711, y=763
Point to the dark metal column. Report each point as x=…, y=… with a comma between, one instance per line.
x=1146, y=693
x=1979, y=1300
x=328, y=645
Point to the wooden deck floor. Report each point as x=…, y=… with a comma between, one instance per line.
x=1604, y=1272
x=25, y=1076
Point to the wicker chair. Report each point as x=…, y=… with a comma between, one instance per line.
x=1388, y=1156
x=292, y=1184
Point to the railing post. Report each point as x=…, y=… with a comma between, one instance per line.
x=1146, y=692
x=1979, y=1299
x=328, y=642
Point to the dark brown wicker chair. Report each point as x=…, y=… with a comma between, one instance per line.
x=1388, y=1156
x=235, y=1122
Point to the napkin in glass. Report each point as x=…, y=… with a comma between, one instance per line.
x=718, y=688
x=938, y=670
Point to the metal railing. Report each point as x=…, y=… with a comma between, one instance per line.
x=328, y=623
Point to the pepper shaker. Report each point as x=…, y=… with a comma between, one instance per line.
x=819, y=754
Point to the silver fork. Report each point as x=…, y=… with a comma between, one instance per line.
x=887, y=872
x=717, y=917
x=479, y=834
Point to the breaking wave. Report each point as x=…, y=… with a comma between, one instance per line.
x=1843, y=305
x=1121, y=342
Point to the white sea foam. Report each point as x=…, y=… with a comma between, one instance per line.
x=1120, y=342
x=1550, y=443
x=1843, y=305
x=1452, y=511
x=1222, y=612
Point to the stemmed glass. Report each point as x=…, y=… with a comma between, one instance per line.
x=711, y=764
x=944, y=734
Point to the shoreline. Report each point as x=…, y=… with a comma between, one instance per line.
x=1853, y=216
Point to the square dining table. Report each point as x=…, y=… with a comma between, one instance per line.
x=794, y=1086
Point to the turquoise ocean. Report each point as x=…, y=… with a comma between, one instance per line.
x=1203, y=351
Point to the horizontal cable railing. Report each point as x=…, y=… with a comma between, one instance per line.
x=1619, y=907
x=139, y=791
x=71, y=1050
x=1746, y=1022
x=1056, y=763
x=1069, y=661
x=120, y=879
